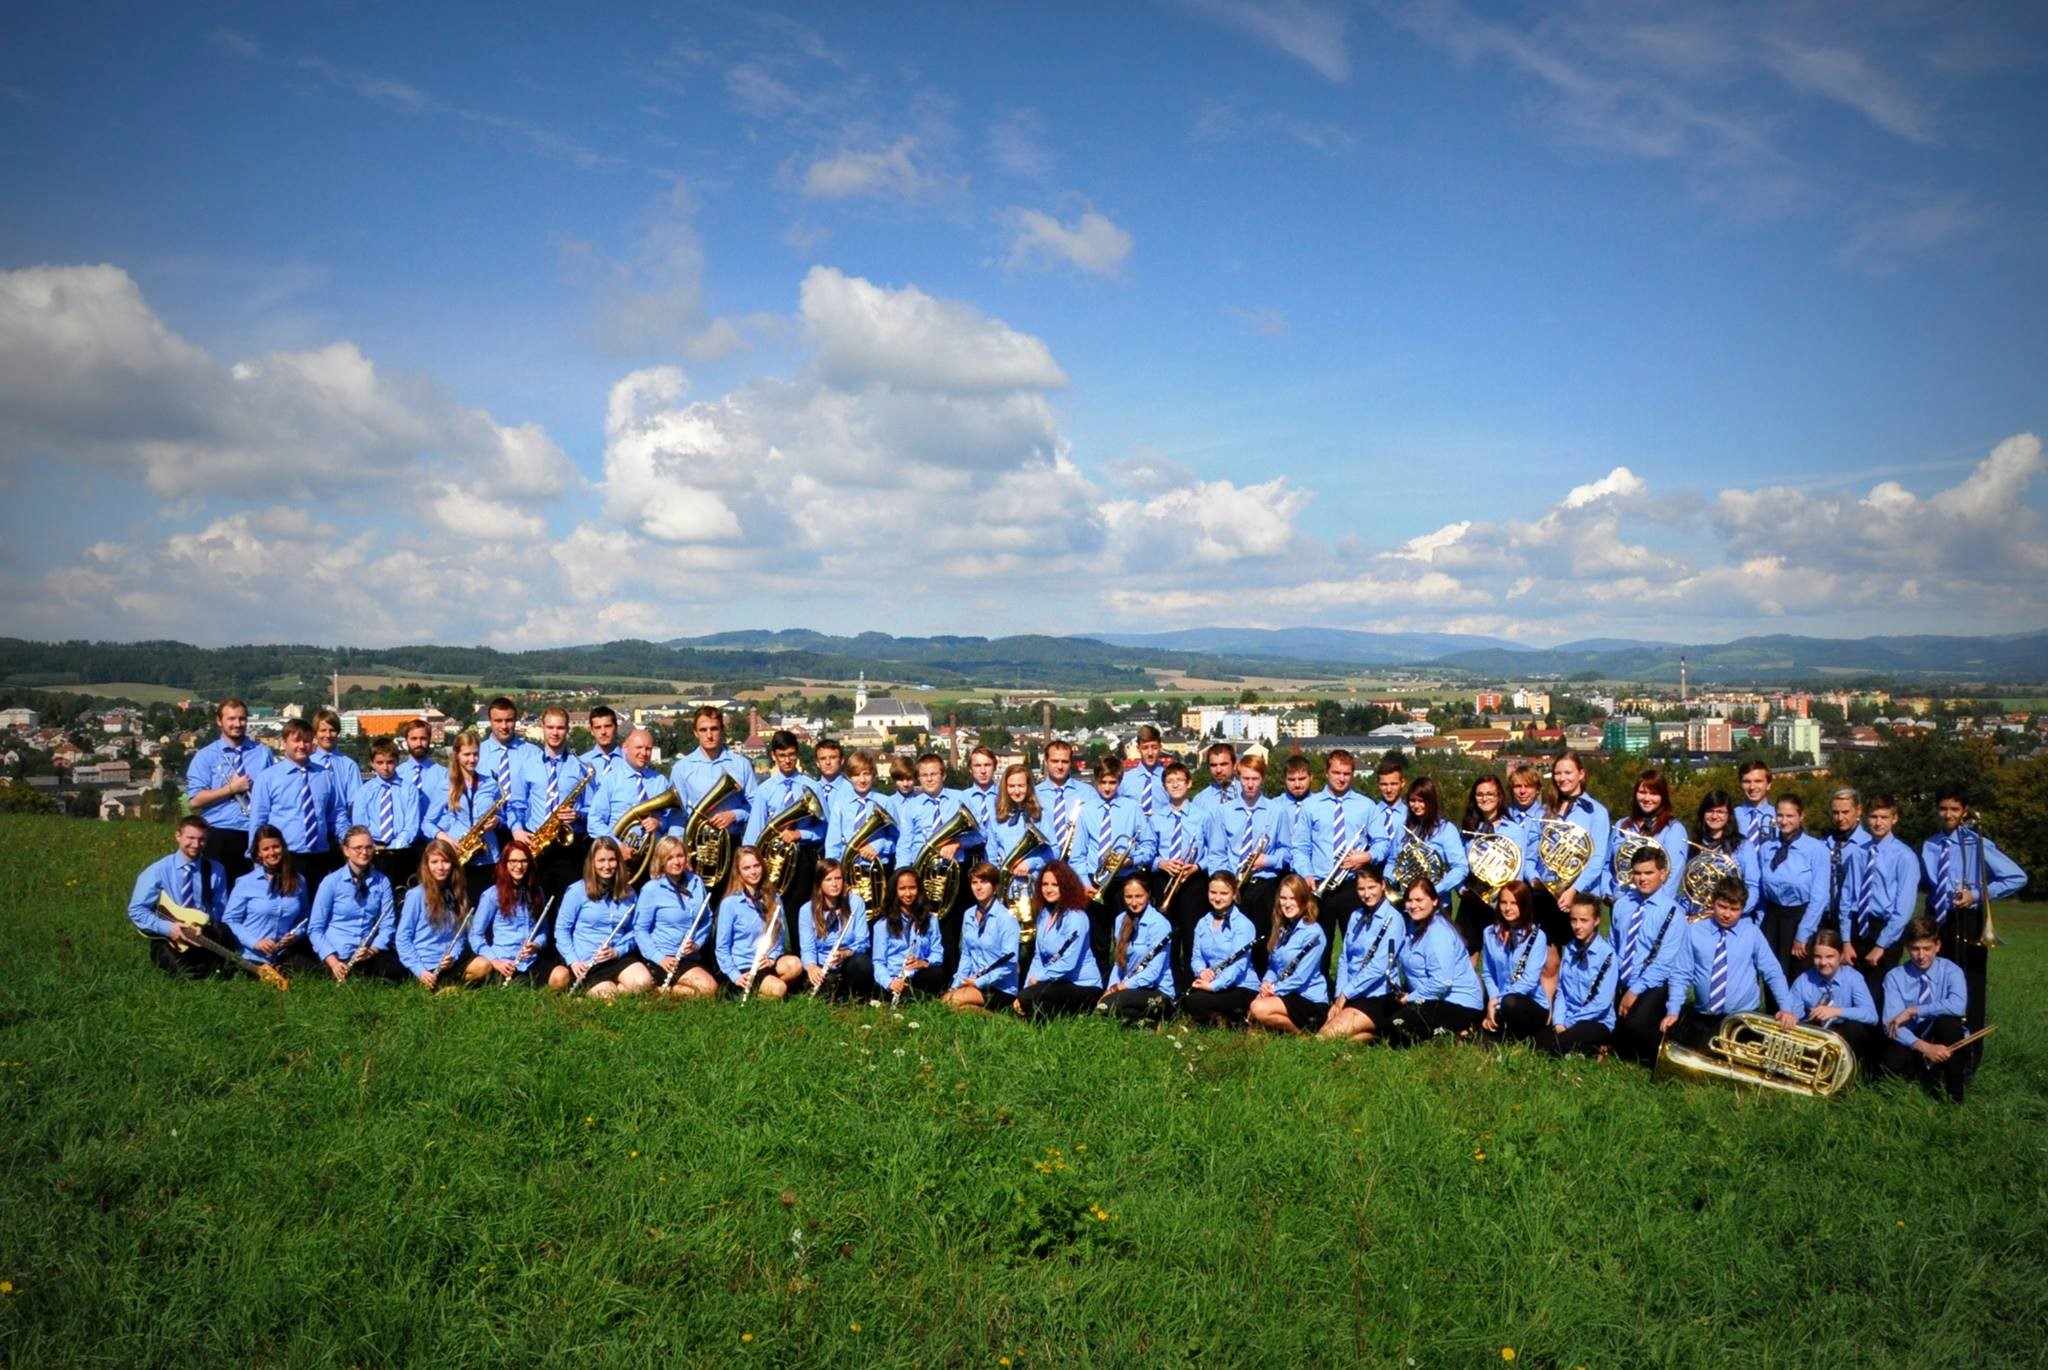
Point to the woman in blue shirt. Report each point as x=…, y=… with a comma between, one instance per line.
x=1064, y=978
x=1825, y=998
x=672, y=924
x=1141, y=984
x=1223, y=984
x=470, y=796
x=1486, y=812
x=505, y=936
x=1511, y=960
x=832, y=938
x=1650, y=815
x=1718, y=831
x=985, y=974
x=594, y=930
x=909, y=949
x=750, y=932
x=1373, y=937
x=1294, y=996
x=268, y=909
x=435, y=918
x=1582, y=1013
x=1442, y=993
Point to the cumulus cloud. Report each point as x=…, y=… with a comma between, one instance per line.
x=1091, y=243
x=897, y=172
x=864, y=332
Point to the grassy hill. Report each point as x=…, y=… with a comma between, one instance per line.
x=220, y=1174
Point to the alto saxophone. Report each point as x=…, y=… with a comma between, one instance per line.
x=472, y=841
x=555, y=827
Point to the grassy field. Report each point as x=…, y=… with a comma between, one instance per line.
x=220, y=1174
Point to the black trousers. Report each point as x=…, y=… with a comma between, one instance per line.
x=1333, y=912
x=1056, y=999
x=559, y=867
x=1102, y=916
x=382, y=968
x=1961, y=943
x=315, y=866
x=1419, y=1020
x=230, y=847
x=1781, y=929
x=1473, y=916
x=1695, y=1029
x=476, y=879
x=1520, y=1018
x=797, y=891
x=1134, y=1006
x=1872, y=964
x=399, y=864
x=1190, y=902
x=1636, y=1034
x=1584, y=1038
x=1255, y=898
x=853, y=978
x=1866, y=1040
x=928, y=983
x=1218, y=1005
x=1950, y=1078
x=193, y=963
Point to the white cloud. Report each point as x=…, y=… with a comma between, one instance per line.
x=1848, y=78
x=905, y=337
x=1092, y=243
x=1016, y=143
x=1316, y=34
x=893, y=172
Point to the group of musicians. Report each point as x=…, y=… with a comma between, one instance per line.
x=1335, y=911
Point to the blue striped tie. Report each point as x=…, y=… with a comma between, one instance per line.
x=504, y=772
x=185, y=885
x=1866, y=888
x=308, y=815
x=1173, y=847
x=1101, y=833
x=1064, y=812
x=1339, y=834
x=387, y=822
x=1717, y=989
x=1945, y=880
x=1628, y=949
x=554, y=785
x=1145, y=791
x=1926, y=994
x=1244, y=838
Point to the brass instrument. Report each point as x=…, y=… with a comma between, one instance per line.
x=194, y=919
x=1752, y=1049
x=555, y=827
x=1113, y=861
x=1073, y=831
x=711, y=849
x=778, y=849
x=1416, y=861
x=1703, y=873
x=864, y=877
x=939, y=876
x=1626, y=848
x=1495, y=859
x=1019, y=900
x=1987, y=935
x=635, y=841
x=472, y=841
x=1564, y=849
x=1337, y=870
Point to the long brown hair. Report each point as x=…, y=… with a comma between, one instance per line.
x=764, y=894
x=1658, y=821
x=286, y=881
x=445, y=902
x=1073, y=894
x=1004, y=808
x=1128, y=926
x=1524, y=894
x=1304, y=899
x=843, y=905
x=620, y=888
x=456, y=789
x=509, y=890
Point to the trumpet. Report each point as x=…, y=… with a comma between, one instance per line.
x=711, y=849
x=778, y=854
x=555, y=827
x=1113, y=861
x=864, y=877
x=1251, y=863
x=1337, y=871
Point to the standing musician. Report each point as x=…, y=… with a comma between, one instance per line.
x=192, y=881
x=504, y=750
x=694, y=776
x=1180, y=844
x=1650, y=956
x=1061, y=795
x=469, y=795
x=750, y=915
x=1222, y=778
x=505, y=935
x=301, y=801
x=903, y=782
x=1795, y=870
x=1650, y=814
x=1016, y=810
x=1144, y=783
x=1295, y=780
x=218, y=785
x=1064, y=976
x=1891, y=872
x=594, y=930
x=605, y=754
x=673, y=924
x=1365, y=1004
x=909, y=951
x=1924, y=1003
x=1830, y=996
x=1225, y=982
x=1441, y=992
x=1294, y=993
x=1582, y=1011
x=543, y=782
x=269, y=907
x=831, y=758
x=1725, y=957
x=1962, y=870
x=1112, y=823
x=435, y=920
x=1486, y=812
x=1571, y=804
x=1525, y=799
x=1426, y=825
x=1848, y=853
x=1390, y=815
x=980, y=798
x=787, y=785
x=1511, y=959
x=1757, y=816
x=391, y=810
x=852, y=802
x=1715, y=823
x=1249, y=834
x=833, y=938
x=631, y=781
x=987, y=974
x=1141, y=983
x=325, y=756
x=418, y=769
x=1337, y=836
x=922, y=815
x=354, y=919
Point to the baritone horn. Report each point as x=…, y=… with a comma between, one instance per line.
x=1752, y=1049
x=711, y=849
x=864, y=877
x=779, y=842
x=939, y=876
x=637, y=842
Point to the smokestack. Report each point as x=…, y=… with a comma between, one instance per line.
x=1681, y=680
x=754, y=738
x=1046, y=714
x=953, y=727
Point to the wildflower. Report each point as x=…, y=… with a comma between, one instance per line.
x=853, y=1327
x=632, y=1155
x=1902, y=1222
x=589, y=1120
x=6, y=1286
x=787, y=1198
x=1082, y=1147
x=746, y=1337
x=913, y=1024
x=1507, y=1353
x=1002, y=1360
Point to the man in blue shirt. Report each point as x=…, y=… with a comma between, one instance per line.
x=1222, y=759
x=303, y=804
x=1963, y=872
x=697, y=774
x=1061, y=797
x=498, y=758
x=607, y=755
x=190, y=880
x=785, y=787
x=1727, y=960
x=545, y=782
x=390, y=809
x=417, y=768
x=218, y=782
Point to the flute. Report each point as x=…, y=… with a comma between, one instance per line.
x=761, y=945
x=533, y=932
x=589, y=966
x=689, y=937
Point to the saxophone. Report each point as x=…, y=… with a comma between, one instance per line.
x=555, y=827
x=472, y=841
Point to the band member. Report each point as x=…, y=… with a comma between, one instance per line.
x=831, y=759
x=1225, y=981
x=1143, y=783
x=1486, y=812
x=1525, y=801
x=1017, y=811
x=301, y=802
x=1715, y=823
x=1180, y=844
x=909, y=950
x=1848, y=851
x=1337, y=837
x=1650, y=957
x=1511, y=959
x=465, y=803
x=868, y=867
x=1831, y=996
x=504, y=751
x=1650, y=814
x=435, y=919
x=980, y=799
x=605, y=754
x=1924, y=1003
x=1795, y=868
x=390, y=809
x=1425, y=825
x=191, y=881
x=919, y=819
x=1440, y=991
x=1891, y=873
x=505, y=935
x=1757, y=815
x=543, y=786
x=594, y=930
x=1141, y=983
x=1570, y=803
x=1295, y=782
x=785, y=788
x=1116, y=838
x=1064, y=977
x=631, y=781
x=1364, y=1007
x=1061, y=795
x=903, y=782
x=1964, y=871
x=326, y=756
x=1294, y=994
x=269, y=908
x=673, y=924
x=219, y=785
x=1582, y=1011
x=1248, y=834
x=986, y=977
x=1726, y=955
x=354, y=919
x=833, y=938
x=1222, y=780
x=750, y=937
x=417, y=768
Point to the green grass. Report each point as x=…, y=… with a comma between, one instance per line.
x=220, y=1174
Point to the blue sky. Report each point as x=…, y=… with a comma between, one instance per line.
x=376, y=324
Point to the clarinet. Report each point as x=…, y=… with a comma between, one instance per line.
x=1522, y=961
x=1147, y=959
x=993, y=965
x=896, y=999
x=1658, y=941
x=765, y=941
x=1593, y=993
x=1299, y=957
x=1373, y=950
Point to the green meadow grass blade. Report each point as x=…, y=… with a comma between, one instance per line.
x=358, y=1175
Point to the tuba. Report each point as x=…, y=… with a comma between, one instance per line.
x=939, y=876
x=1564, y=849
x=778, y=844
x=864, y=878
x=1495, y=859
x=1416, y=861
x=1625, y=848
x=634, y=840
x=1752, y=1049
x=711, y=849
x=1703, y=872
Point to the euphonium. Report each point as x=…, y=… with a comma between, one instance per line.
x=1752, y=1049
x=711, y=849
x=555, y=827
x=939, y=876
x=1495, y=859
x=864, y=877
x=1564, y=849
x=636, y=842
x=1625, y=848
x=778, y=846
x=1020, y=886
x=472, y=841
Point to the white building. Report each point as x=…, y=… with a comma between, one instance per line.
x=1301, y=725
x=19, y=718
x=885, y=714
x=1799, y=736
x=1238, y=726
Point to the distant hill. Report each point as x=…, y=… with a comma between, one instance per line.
x=1779, y=658
x=1338, y=646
